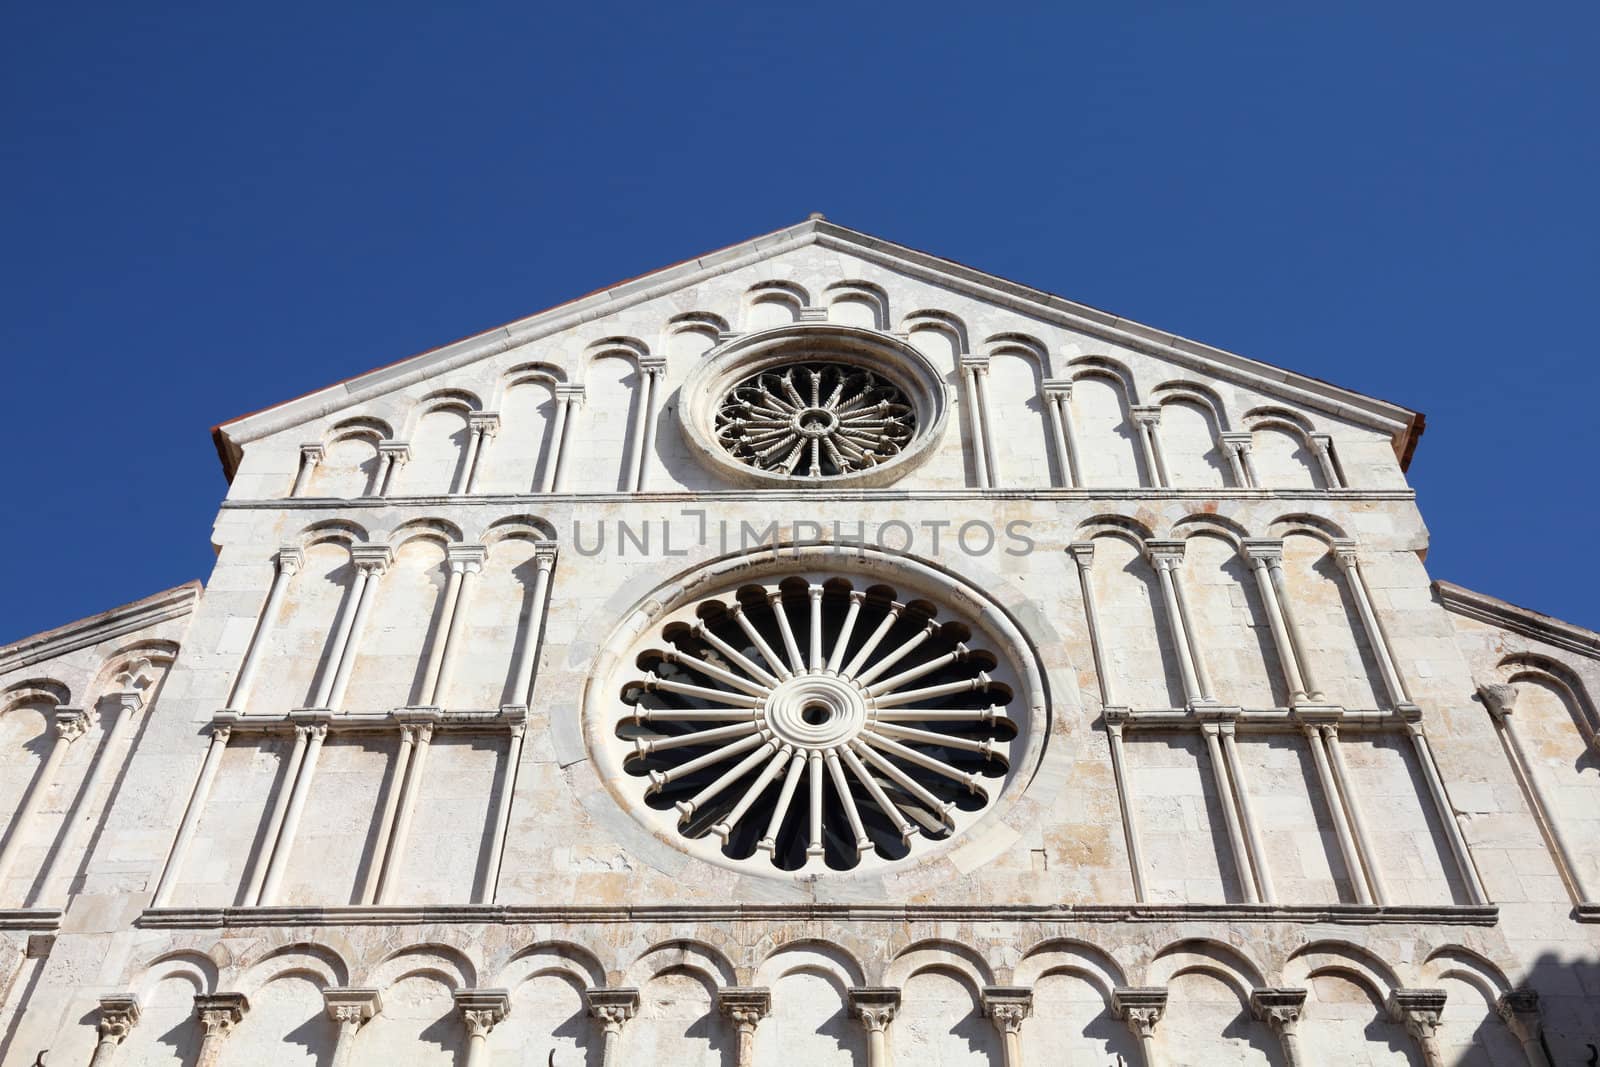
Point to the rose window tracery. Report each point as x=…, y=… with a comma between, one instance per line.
x=803, y=724
x=815, y=420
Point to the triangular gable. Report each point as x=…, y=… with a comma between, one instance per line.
x=1403, y=425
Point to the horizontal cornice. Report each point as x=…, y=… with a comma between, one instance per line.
x=129, y=618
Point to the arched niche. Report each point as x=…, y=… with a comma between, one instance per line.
x=438, y=450
x=811, y=1022
x=515, y=463
x=1108, y=449
x=1020, y=426
x=1553, y=721
x=1225, y=608
x=498, y=622
x=940, y=1021
x=549, y=1022
x=349, y=465
x=678, y=1022
x=294, y=650
x=1135, y=634
x=1191, y=444
x=1282, y=454
x=1336, y=644
x=403, y=623
x=287, y=1024
x=602, y=454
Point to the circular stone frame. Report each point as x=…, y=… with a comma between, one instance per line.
x=888, y=357
x=992, y=623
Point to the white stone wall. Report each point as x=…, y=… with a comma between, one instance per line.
x=1310, y=798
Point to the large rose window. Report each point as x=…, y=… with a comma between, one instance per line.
x=811, y=721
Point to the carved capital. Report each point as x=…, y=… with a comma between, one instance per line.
x=374, y=559
x=1146, y=414
x=1418, y=1009
x=1140, y=1007
x=1264, y=550
x=466, y=559
x=1278, y=1008
x=1164, y=554
x=486, y=423
x=571, y=394
x=219, y=1013
x=1236, y=440
x=349, y=1006
x=1007, y=1006
x=1344, y=553
x=118, y=1015
x=1500, y=699
x=653, y=365
x=481, y=1009
x=311, y=454
x=289, y=559
x=1082, y=553
x=612, y=1007
x=745, y=1007
x=1519, y=1010
x=980, y=364
x=544, y=554
x=874, y=1006
x=398, y=452
x=1061, y=387
x=71, y=723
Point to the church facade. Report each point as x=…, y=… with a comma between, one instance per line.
x=819, y=652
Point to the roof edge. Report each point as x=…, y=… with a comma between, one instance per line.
x=1525, y=621
x=159, y=607
x=1403, y=425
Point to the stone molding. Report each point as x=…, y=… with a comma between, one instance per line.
x=140, y=615
x=467, y=914
x=1506, y=616
x=351, y=1004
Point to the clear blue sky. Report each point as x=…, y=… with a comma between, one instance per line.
x=210, y=208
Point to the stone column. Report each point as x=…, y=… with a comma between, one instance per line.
x=976, y=428
x=481, y=1010
x=1166, y=557
x=118, y=1016
x=1419, y=1010
x=1083, y=556
x=527, y=655
x=280, y=810
x=67, y=725
x=1141, y=1009
x=1345, y=552
x=1148, y=417
x=1446, y=810
x=1310, y=724
x=1115, y=718
x=465, y=563
x=316, y=732
x=745, y=1008
x=1247, y=817
x=391, y=806
x=350, y=1010
x=1322, y=448
x=1057, y=401
x=80, y=816
x=1519, y=1010
x=286, y=563
x=218, y=1013
x=1280, y=1009
x=420, y=724
x=482, y=425
x=1263, y=555
x=567, y=397
x=1352, y=807
x=373, y=561
x=221, y=730
x=1006, y=1007
x=517, y=720
x=613, y=1008
x=650, y=373
x=875, y=1007
x=310, y=456
x=986, y=420
x=1242, y=853
x=392, y=455
x=1501, y=700
x=1236, y=445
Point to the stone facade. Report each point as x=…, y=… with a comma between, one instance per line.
x=1075, y=692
